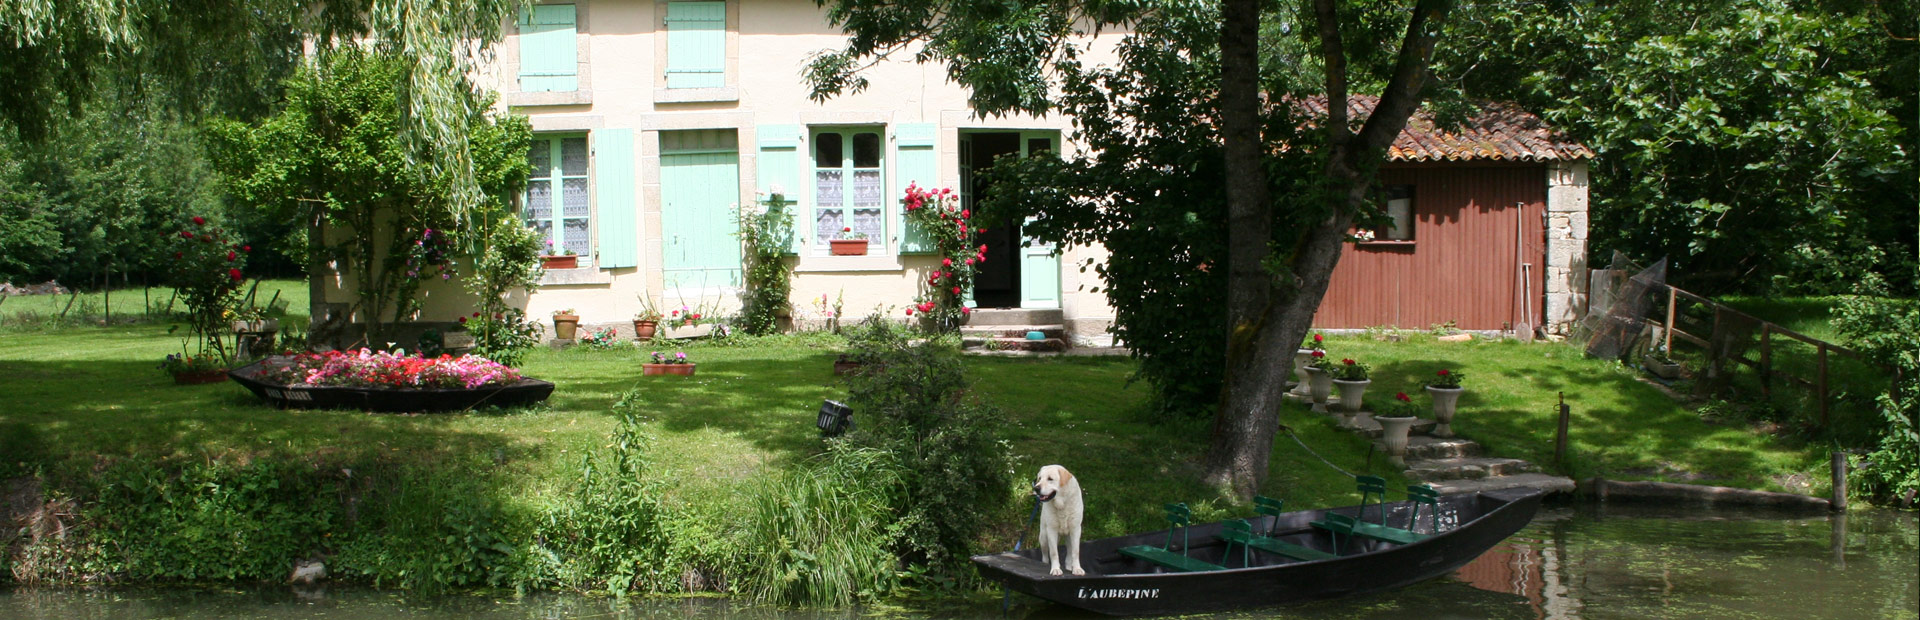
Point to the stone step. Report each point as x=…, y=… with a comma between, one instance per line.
x=1365, y=425
x=987, y=353
x=1424, y=447
x=1016, y=316
x=1012, y=331
x=1550, y=482
x=1014, y=344
x=1470, y=468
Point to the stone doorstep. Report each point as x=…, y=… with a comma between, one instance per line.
x=1470, y=468
x=1012, y=331
x=1053, y=345
x=1548, y=482
x=986, y=353
x=1016, y=316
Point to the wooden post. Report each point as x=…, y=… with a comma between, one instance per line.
x=1766, y=359
x=1838, y=502
x=1560, y=438
x=1673, y=299
x=1820, y=386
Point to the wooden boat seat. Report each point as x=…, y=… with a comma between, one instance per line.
x=1273, y=545
x=1422, y=495
x=1179, y=518
x=1370, y=530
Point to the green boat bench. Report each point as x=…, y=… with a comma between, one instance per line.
x=1178, y=518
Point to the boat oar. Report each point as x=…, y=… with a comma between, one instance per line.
x=1006, y=593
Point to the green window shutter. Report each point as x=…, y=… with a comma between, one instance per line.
x=696, y=44
x=549, y=57
x=918, y=164
x=779, y=166
x=618, y=203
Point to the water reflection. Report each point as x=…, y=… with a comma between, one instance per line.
x=1590, y=562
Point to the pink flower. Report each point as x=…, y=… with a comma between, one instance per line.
x=1402, y=396
x=231, y=255
x=234, y=273
x=847, y=229
x=199, y=221
x=966, y=310
x=1318, y=338
x=246, y=248
x=1319, y=354
x=956, y=290
x=1348, y=361
x=185, y=234
x=946, y=261
x=965, y=213
x=969, y=260
x=1443, y=372
x=909, y=311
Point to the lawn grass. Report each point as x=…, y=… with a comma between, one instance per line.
x=78, y=395
x=1621, y=427
x=44, y=312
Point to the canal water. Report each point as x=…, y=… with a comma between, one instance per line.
x=1595, y=562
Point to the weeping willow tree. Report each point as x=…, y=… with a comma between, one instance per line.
x=231, y=55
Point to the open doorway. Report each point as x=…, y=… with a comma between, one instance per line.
x=1017, y=274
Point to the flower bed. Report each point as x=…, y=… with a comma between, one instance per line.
x=388, y=382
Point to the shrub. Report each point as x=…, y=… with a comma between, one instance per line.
x=913, y=404
x=1888, y=333
x=206, y=520
x=820, y=534
x=430, y=527
x=611, y=532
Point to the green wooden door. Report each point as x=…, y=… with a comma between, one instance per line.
x=1039, y=260
x=699, y=192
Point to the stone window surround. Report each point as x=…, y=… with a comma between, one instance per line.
x=582, y=45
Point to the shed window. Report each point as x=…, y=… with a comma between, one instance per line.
x=1399, y=207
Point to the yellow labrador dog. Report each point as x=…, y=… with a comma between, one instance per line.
x=1060, y=509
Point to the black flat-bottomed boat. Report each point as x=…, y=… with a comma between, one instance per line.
x=1292, y=556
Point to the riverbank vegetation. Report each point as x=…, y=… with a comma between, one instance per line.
x=719, y=482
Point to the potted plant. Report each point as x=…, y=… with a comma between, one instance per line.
x=1661, y=366
x=1320, y=380
x=601, y=339
x=663, y=364
x=562, y=259
x=849, y=243
x=1445, y=390
x=1302, y=387
x=1396, y=418
x=194, y=369
x=565, y=322
x=647, y=322
x=1350, y=379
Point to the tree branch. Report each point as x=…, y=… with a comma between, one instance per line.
x=1411, y=72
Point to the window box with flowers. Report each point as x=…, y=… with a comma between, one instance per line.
x=677, y=364
x=559, y=259
x=848, y=243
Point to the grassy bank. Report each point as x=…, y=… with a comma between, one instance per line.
x=91, y=416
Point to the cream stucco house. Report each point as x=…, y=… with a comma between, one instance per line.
x=655, y=119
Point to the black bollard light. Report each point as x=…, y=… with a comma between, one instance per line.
x=835, y=418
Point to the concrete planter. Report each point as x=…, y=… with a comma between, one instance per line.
x=1664, y=370
x=1321, y=387
x=1444, y=401
x=1393, y=432
x=1352, y=393
x=1301, y=386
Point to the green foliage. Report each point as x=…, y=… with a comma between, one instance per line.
x=1750, y=141
x=336, y=154
x=1887, y=331
x=913, y=401
x=611, y=532
x=820, y=534
x=937, y=213
x=766, y=233
x=207, y=521
x=504, y=336
x=429, y=528
x=206, y=269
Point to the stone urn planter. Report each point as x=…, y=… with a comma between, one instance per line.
x=1393, y=432
x=1301, y=386
x=682, y=370
x=1351, y=395
x=644, y=330
x=1320, y=387
x=1444, y=400
x=565, y=324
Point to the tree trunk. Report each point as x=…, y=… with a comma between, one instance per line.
x=1271, y=313
x=1243, y=428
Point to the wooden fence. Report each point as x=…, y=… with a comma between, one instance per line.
x=1721, y=353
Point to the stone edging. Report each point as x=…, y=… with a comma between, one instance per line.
x=1601, y=489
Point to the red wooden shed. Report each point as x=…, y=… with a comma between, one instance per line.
x=1489, y=229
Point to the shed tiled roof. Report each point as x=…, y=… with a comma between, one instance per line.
x=1500, y=132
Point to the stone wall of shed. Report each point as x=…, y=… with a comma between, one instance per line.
x=1567, y=227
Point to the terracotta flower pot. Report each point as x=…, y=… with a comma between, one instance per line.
x=201, y=377
x=566, y=261
x=848, y=247
x=684, y=370
x=1444, y=401
x=564, y=325
x=644, y=330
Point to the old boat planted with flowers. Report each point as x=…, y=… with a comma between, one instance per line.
x=1277, y=557
x=383, y=381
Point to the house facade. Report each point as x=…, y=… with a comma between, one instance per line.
x=656, y=120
